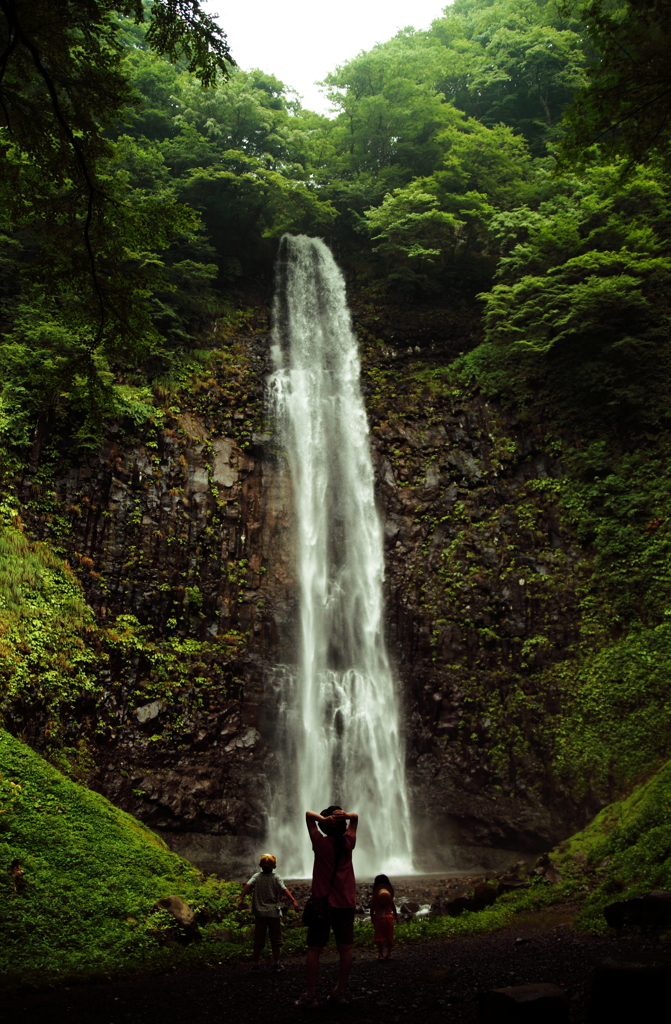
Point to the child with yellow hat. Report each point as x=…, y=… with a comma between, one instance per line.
x=268, y=889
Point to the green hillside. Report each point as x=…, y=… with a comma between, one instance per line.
x=624, y=852
x=92, y=876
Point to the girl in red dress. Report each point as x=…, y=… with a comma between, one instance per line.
x=383, y=915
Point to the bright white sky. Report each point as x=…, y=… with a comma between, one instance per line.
x=300, y=41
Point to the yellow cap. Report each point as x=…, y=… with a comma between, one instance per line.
x=268, y=861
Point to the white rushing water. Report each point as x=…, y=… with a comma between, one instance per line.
x=338, y=737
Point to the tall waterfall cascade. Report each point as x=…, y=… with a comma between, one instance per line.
x=338, y=721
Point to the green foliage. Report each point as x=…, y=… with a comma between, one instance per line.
x=619, y=504
x=413, y=234
x=439, y=121
x=624, y=852
x=625, y=105
x=391, y=112
x=243, y=202
x=511, y=61
x=434, y=230
x=616, y=721
x=591, y=299
x=580, y=320
x=44, y=620
x=92, y=876
x=63, y=86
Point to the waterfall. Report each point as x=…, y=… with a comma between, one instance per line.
x=338, y=737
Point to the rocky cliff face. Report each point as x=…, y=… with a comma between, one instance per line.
x=187, y=529
x=481, y=597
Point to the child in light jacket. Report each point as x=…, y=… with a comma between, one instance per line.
x=268, y=890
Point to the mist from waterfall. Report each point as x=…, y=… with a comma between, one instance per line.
x=338, y=721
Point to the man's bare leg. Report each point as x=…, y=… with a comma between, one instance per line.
x=312, y=970
x=344, y=971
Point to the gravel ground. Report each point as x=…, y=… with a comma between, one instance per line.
x=422, y=984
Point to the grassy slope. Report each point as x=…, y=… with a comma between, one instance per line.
x=624, y=852
x=92, y=875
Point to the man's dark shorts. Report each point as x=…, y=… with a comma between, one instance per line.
x=341, y=919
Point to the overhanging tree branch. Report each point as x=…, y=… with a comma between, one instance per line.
x=70, y=52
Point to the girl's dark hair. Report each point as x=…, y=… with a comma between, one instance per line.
x=383, y=881
x=338, y=833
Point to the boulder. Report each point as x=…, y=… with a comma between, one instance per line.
x=409, y=908
x=149, y=711
x=653, y=910
x=624, y=912
x=512, y=886
x=181, y=911
x=483, y=896
x=634, y=989
x=458, y=905
x=527, y=1004
x=546, y=869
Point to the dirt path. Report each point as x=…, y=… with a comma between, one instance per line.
x=431, y=983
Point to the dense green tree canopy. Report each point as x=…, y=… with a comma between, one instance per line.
x=435, y=177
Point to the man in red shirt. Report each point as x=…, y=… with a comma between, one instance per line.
x=332, y=876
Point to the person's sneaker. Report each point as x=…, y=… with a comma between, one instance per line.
x=277, y=966
x=256, y=967
x=306, y=1002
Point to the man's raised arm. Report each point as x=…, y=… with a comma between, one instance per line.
x=311, y=819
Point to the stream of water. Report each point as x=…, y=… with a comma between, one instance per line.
x=338, y=730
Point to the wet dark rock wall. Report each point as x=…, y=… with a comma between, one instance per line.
x=481, y=598
x=188, y=529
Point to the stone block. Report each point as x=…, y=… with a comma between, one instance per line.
x=632, y=989
x=527, y=1004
